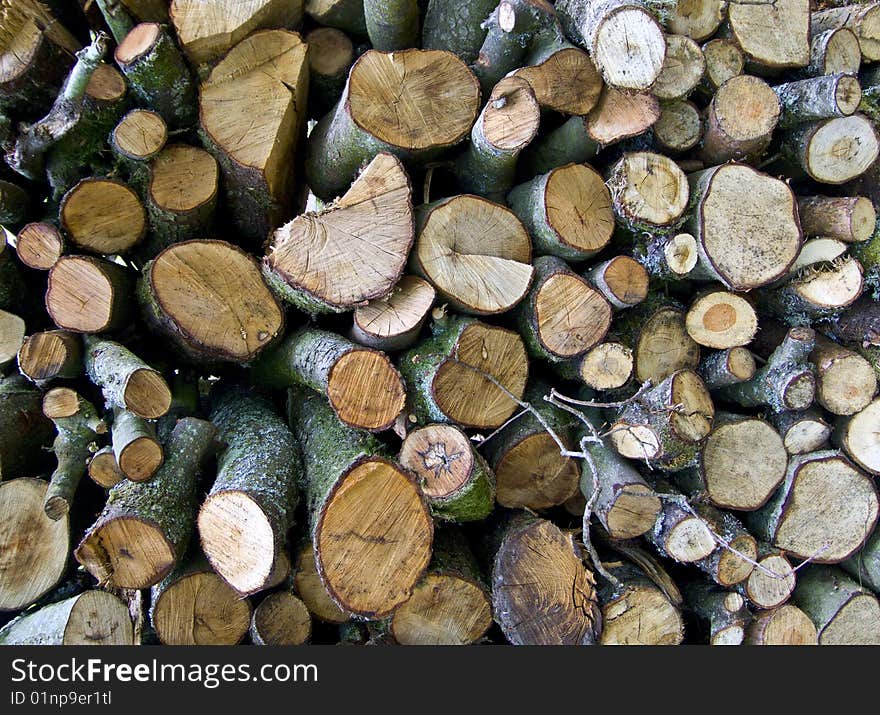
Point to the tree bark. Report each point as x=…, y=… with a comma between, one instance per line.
x=392, y=25
x=823, y=97
x=861, y=18
x=727, y=367
x=138, y=453
x=25, y=432
x=843, y=612
x=456, y=27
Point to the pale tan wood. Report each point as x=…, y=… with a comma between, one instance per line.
x=103, y=216
x=39, y=245
x=721, y=320
x=140, y=135
x=281, y=619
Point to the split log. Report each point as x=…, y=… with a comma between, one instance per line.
x=353, y=251
x=623, y=38
x=25, y=432
x=451, y=604
x=194, y=606
x=77, y=424
x=815, y=252
x=103, y=216
x=244, y=520
x=567, y=211
x=281, y=619
x=476, y=253
x=268, y=68
x=530, y=470
x=850, y=219
x=802, y=430
x=864, y=565
x=456, y=27
x=608, y=366
x=542, y=594
x=732, y=245
x=158, y=75
x=562, y=315
x=210, y=299
x=346, y=15
x=773, y=36
x=667, y=424
x=126, y=381
x=143, y=530
x=562, y=76
x=682, y=69
x=698, y=19
x=772, y=581
x=89, y=295
x=91, y=618
x=103, y=469
x=34, y=547
x=823, y=97
x=508, y=123
x=330, y=55
x=721, y=320
x=138, y=453
x=455, y=479
x=370, y=527
x=832, y=151
x=725, y=612
x=787, y=625
x=635, y=611
x=727, y=367
x=308, y=584
x=362, y=386
x=845, y=381
x=833, y=51
x=859, y=437
x=394, y=322
x=679, y=127
x=825, y=509
x=862, y=18
x=724, y=61
x=392, y=24
x=740, y=121
x=442, y=101
x=206, y=31
x=648, y=191
x=39, y=245
x=843, y=612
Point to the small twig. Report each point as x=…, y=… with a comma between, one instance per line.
x=483, y=440
x=645, y=386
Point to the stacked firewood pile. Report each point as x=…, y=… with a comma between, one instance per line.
x=385, y=321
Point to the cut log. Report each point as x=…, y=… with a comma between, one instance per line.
x=850, y=219
x=802, y=430
x=92, y=618
x=678, y=534
x=635, y=611
x=312, y=591
x=724, y=61
x=394, y=322
x=281, y=619
x=820, y=290
x=721, y=320
x=845, y=381
x=698, y=19
x=562, y=76
x=682, y=70
x=562, y=315
x=732, y=244
x=392, y=24
x=39, y=245
x=725, y=612
x=843, y=612
x=608, y=366
x=542, y=593
x=862, y=18
x=859, y=437
x=530, y=470
x=346, y=15
x=143, y=530
x=623, y=38
x=268, y=69
x=648, y=191
x=244, y=520
x=89, y=295
x=137, y=451
x=727, y=367
x=740, y=121
x=210, y=299
x=362, y=386
x=567, y=211
x=158, y=75
x=622, y=280
x=667, y=256
x=12, y=329
x=442, y=101
x=833, y=51
x=194, y=606
x=77, y=424
x=823, y=97
x=667, y=424
x=679, y=128
x=103, y=216
x=832, y=151
x=353, y=251
x=475, y=252
x=732, y=560
x=773, y=36
x=786, y=382
x=103, y=469
x=824, y=511
x=772, y=581
x=139, y=136
x=126, y=381
x=35, y=548
x=787, y=625
x=331, y=54
x=448, y=377
x=207, y=30
x=451, y=605
x=508, y=123
x=370, y=527
x=455, y=479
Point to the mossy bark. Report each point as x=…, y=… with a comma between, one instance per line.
x=822, y=592
x=110, y=366
x=456, y=26
x=25, y=432
x=392, y=24
x=568, y=144
x=304, y=358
